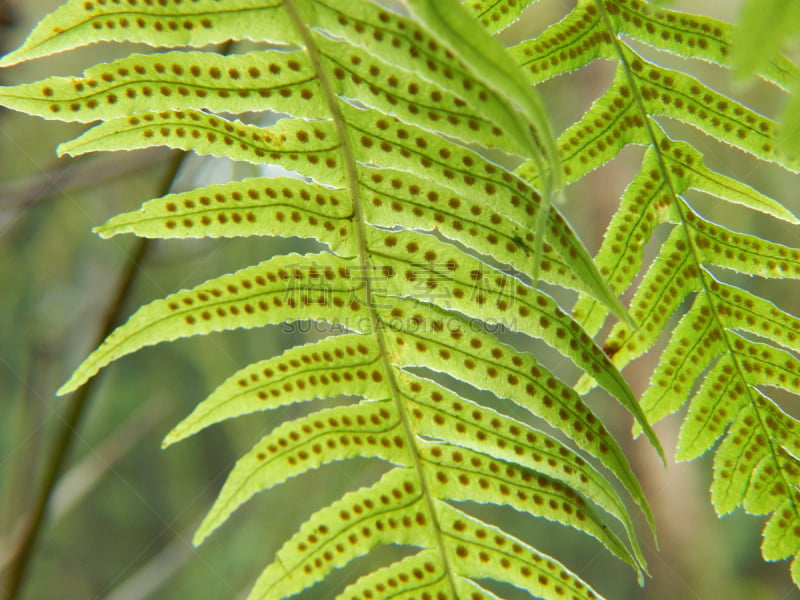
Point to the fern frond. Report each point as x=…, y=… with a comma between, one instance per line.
x=389, y=125
x=707, y=362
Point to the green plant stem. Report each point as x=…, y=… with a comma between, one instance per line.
x=78, y=404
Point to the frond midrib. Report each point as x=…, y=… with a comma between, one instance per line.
x=359, y=225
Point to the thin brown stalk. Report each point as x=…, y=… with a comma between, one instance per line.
x=78, y=403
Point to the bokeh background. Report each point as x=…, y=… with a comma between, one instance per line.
x=123, y=515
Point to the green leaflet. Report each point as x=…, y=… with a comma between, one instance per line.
x=745, y=253
x=765, y=365
x=741, y=469
x=78, y=22
x=583, y=35
x=739, y=309
x=778, y=545
x=298, y=94
x=571, y=43
x=292, y=143
x=484, y=56
x=276, y=206
x=486, y=59
x=692, y=36
x=675, y=94
x=408, y=148
x=142, y=83
x=298, y=145
x=671, y=276
x=422, y=573
x=686, y=164
x=646, y=203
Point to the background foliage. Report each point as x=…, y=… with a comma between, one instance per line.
x=118, y=530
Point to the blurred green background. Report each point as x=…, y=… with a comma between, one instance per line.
x=123, y=515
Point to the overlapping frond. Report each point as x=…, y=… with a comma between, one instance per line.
x=764, y=28
x=389, y=122
x=712, y=360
